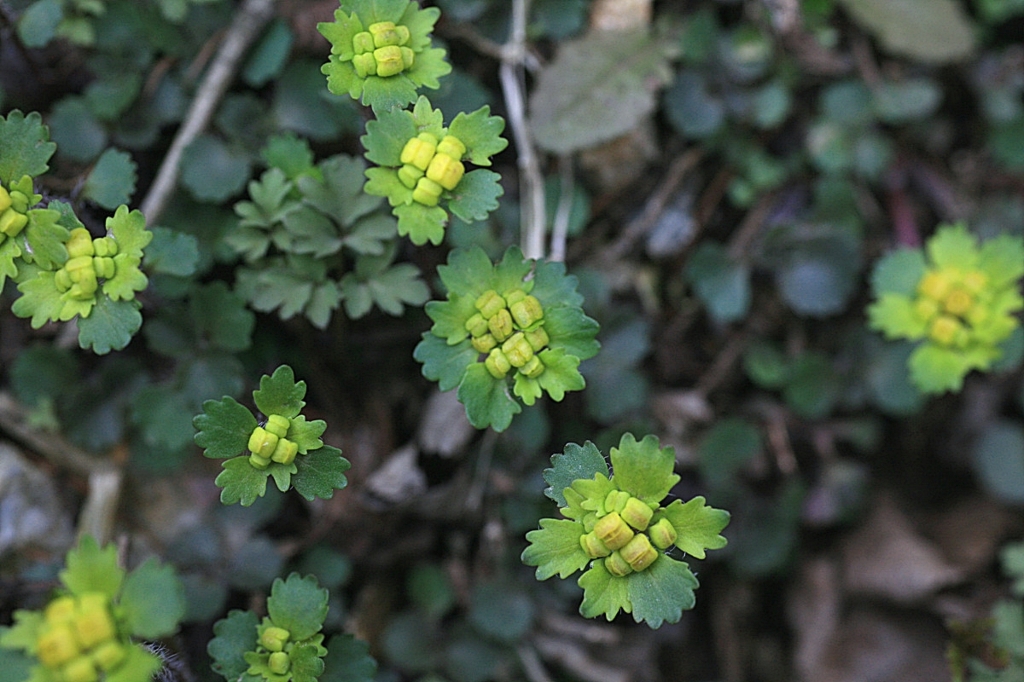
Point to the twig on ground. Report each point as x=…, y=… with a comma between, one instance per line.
x=243, y=30
x=560, y=227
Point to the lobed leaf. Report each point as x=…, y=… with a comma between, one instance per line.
x=25, y=147
x=280, y=394
x=241, y=482
x=91, y=568
x=476, y=195
x=481, y=133
x=698, y=526
x=224, y=428
x=45, y=238
x=486, y=399
x=952, y=246
x=443, y=363
x=421, y=223
x=574, y=463
x=555, y=548
x=561, y=373
x=110, y=326
x=644, y=469
x=299, y=605
x=233, y=636
x=660, y=593
x=603, y=593
x=153, y=600
x=320, y=473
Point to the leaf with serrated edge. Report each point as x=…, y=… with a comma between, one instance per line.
x=111, y=181
x=280, y=394
x=898, y=272
x=46, y=238
x=421, y=223
x=305, y=663
x=92, y=569
x=282, y=474
x=39, y=299
x=450, y=317
x=698, y=527
x=320, y=473
x=481, y=133
x=570, y=329
x=129, y=231
x=511, y=271
x=233, y=636
x=298, y=604
x=467, y=272
x=644, y=469
x=527, y=389
x=555, y=548
x=306, y=434
x=25, y=148
x=241, y=482
x=384, y=182
x=895, y=316
x=9, y=251
x=348, y=660
x=561, y=373
x=935, y=369
x=153, y=600
x=575, y=462
x=486, y=399
x=443, y=363
x=24, y=633
x=476, y=195
x=110, y=325
x=386, y=136
x=127, y=279
x=223, y=428
x=553, y=288
x=137, y=665
x=1002, y=259
x=603, y=593
x=661, y=592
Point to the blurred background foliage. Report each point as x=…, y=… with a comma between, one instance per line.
x=726, y=173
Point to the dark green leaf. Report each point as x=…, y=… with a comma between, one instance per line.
x=487, y=399
x=241, y=482
x=662, y=592
x=25, y=148
x=280, y=394
x=721, y=284
x=299, y=605
x=76, y=131
x=212, y=170
x=110, y=325
x=476, y=195
x=320, y=473
x=172, y=252
x=234, y=636
x=223, y=428
x=574, y=463
x=998, y=457
x=153, y=600
x=501, y=611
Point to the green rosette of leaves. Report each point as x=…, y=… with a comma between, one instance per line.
x=87, y=632
x=420, y=167
x=285, y=446
x=381, y=53
x=619, y=530
x=94, y=279
x=501, y=334
x=955, y=298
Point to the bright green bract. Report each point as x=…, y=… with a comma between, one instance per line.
x=618, y=527
x=957, y=300
x=499, y=329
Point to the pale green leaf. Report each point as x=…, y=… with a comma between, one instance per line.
x=153, y=601
x=936, y=31
x=603, y=593
x=645, y=469
x=443, y=363
x=561, y=373
x=280, y=394
x=487, y=399
x=299, y=605
x=241, y=482
x=698, y=526
x=92, y=569
x=661, y=592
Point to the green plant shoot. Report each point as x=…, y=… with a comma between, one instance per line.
x=615, y=524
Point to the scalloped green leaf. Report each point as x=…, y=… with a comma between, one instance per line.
x=572, y=331
x=952, y=246
x=450, y=317
x=110, y=326
x=467, y=272
x=555, y=548
x=298, y=604
x=554, y=288
x=45, y=237
x=348, y=660
x=481, y=133
x=574, y=463
x=384, y=182
x=39, y=299
x=233, y=636
x=443, y=363
x=698, y=526
x=645, y=469
x=280, y=394
x=561, y=373
x=898, y=272
x=224, y=428
x=91, y=568
x=153, y=600
x=1002, y=259
x=9, y=251
x=111, y=182
x=476, y=195
x=935, y=369
x=241, y=482
x=25, y=147
x=306, y=664
x=421, y=223
x=603, y=593
x=386, y=136
x=894, y=315
x=660, y=593
x=487, y=399
x=320, y=473
x=129, y=230
x=137, y=665
x=306, y=434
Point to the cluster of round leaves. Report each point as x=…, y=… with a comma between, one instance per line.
x=287, y=644
x=86, y=633
x=956, y=300
x=420, y=167
x=285, y=446
x=513, y=325
x=618, y=527
x=381, y=53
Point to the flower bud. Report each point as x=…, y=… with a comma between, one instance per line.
x=451, y=146
x=638, y=552
x=484, y=344
x=60, y=610
x=944, y=329
x=409, y=175
x=12, y=222
x=501, y=325
x=258, y=462
x=476, y=325
x=278, y=662
x=663, y=534
x=285, y=451
x=593, y=546
x=104, y=246
x=62, y=280
x=497, y=364
x=365, y=65
x=389, y=61
x=615, y=501
x=408, y=57
x=926, y=308
x=537, y=338
x=79, y=670
x=419, y=150
x=274, y=638
x=514, y=296
x=589, y=521
x=617, y=566
x=277, y=425
x=532, y=369
x=93, y=623
x=5, y=199
x=56, y=646
x=19, y=201
x=384, y=33
x=427, y=192
x=527, y=311
x=403, y=34
x=636, y=513
x=103, y=267
x=489, y=303
x=975, y=282
x=445, y=171
x=108, y=655
x=517, y=350
x=262, y=442
x=362, y=42
x=958, y=302
x=935, y=284
x=613, y=531
x=79, y=243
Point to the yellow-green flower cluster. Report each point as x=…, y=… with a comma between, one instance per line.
x=627, y=532
x=14, y=205
x=952, y=303
x=430, y=165
x=79, y=639
x=268, y=444
x=381, y=50
x=88, y=260
x=274, y=640
x=510, y=330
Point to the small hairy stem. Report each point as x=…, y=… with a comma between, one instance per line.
x=531, y=195
x=243, y=30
